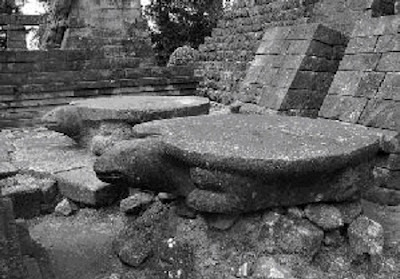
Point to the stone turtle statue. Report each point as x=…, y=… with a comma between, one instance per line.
x=243, y=163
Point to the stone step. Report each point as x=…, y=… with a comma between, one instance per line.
x=81, y=185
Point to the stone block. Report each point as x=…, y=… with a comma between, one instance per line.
x=387, y=178
x=276, y=33
x=26, y=202
x=317, y=32
x=382, y=196
x=361, y=62
x=273, y=47
x=82, y=185
x=376, y=26
x=388, y=43
x=346, y=83
x=319, y=49
x=369, y=84
x=272, y=97
x=344, y=108
x=361, y=45
x=390, y=62
x=303, y=80
x=383, y=114
x=298, y=47
x=318, y=64
x=302, y=99
x=273, y=61
x=322, y=82
x=294, y=62
x=285, y=78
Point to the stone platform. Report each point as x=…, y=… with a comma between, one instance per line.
x=113, y=117
x=241, y=163
x=48, y=164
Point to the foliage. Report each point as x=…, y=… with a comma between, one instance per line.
x=8, y=7
x=183, y=56
x=180, y=22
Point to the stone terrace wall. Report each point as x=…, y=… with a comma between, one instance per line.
x=366, y=91
x=33, y=82
x=225, y=56
x=293, y=68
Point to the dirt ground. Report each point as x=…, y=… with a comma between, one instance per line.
x=80, y=246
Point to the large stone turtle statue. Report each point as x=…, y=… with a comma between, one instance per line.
x=242, y=163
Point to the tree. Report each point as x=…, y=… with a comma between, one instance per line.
x=177, y=23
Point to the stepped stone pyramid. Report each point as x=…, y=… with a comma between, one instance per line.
x=294, y=67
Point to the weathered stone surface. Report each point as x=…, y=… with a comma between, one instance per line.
x=297, y=236
x=366, y=236
x=349, y=210
x=237, y=144
x=334, y=261
x=226, y=192
x=333, y=238
x=388, y=217
x=135, y=252
x=140, y=237
x=82, y=185
x=66, y=208
x=48, y=152
x=175, y=258
x=139, y=163
x=387, y=178
x=31, y=194
x=365, y=89
x=284, y=64
x=221, y=221
x=268, y=268
x=344, y=108
x=325, y=216
x=7, y=169
x=393, y=162
x=381, y=114
x=74, y=119
x=136, y=203
x=382, y=196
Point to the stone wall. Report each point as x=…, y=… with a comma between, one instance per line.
x=342, y=15
x=226, y=55
x=32, y=82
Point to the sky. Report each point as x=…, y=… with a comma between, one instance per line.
x=33, y=7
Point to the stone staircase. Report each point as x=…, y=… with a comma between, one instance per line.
x=33, y=82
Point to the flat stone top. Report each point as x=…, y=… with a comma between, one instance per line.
x=264, y=145
x=136, y=107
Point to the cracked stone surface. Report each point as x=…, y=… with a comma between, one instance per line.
x=38, y=150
